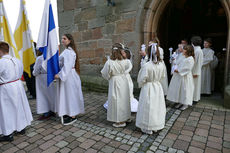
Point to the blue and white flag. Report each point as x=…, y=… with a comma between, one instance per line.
x=48, y=43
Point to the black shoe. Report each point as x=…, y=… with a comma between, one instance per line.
x=65, y=116
x=52, y=114
x=22, y=132
x=69, y=120
x=8, y=138
x=195, y=102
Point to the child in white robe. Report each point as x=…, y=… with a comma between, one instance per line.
x=151, y=109
x=126, y=54
x=164, y=80
x=196, y=42
x=179, y=53
x=14, y=107
x=115, y=70
x=46, y=96
x=144, y=56
x=206, y=71
x=181, y=87
x=69, y=96
x=175, y=60
x=145, y=59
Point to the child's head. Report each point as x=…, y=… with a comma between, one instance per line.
x=38, y=52
x=207, y=43
x=123, y=53
x=184, y=42
x=196, y=40
x=188, y=50
x=117, y=50
x=155, y=40
x=155, y=54
x=180, y=47
x=4, y=48
x=68, y=41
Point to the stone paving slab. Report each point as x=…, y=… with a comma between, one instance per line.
x=198, y=129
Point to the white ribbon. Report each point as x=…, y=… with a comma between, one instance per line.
x=122, y=45
x=153, y=52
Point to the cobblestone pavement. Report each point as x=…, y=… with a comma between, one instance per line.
x=198, y=129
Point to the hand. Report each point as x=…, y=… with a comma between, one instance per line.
x=142, y=53
x=195, y=76
x=176, y=71
x=56, y=76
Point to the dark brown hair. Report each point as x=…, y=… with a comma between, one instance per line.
x=116, y=52
x=155, y=40
x=73, y=46
x=196, y=40
x=4, y=47
x=128, y=54
x=209, y=40
x=38, y=53
x=189, y=50
x=185, y=39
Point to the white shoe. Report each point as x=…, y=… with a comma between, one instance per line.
x=177, y=106
x=119, y=125
x=184, y=107
x=147, y=131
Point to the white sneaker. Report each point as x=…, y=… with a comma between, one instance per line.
x=147, y=131
x=177, y=106
x=119, y=125
x=184, y=107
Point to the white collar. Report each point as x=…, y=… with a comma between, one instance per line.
x=6, y=56
x=197, y=47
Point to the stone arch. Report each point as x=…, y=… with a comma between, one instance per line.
x=147, y=22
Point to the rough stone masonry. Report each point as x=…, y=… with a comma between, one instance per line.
x=96, y=26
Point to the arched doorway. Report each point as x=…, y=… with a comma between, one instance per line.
x=176, y=19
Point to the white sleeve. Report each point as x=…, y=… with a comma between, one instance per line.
x=20, y=66
x=185, y=67
x=37, y=66
x=144, y=60
x=209, y=58
x=2, y=67
x=198, y=63
x=106, y=71
x=129, y=66
x=69, y=61
x=142, y=76
x=161, y=51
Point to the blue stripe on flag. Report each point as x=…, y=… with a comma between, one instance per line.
x=51, y=26
x=52, y=67
x=51, y=19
